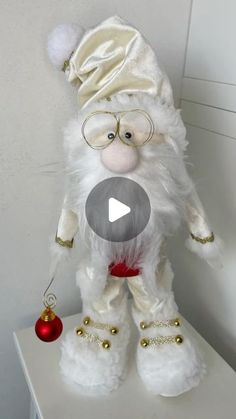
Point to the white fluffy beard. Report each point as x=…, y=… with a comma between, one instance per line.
x=161, y=173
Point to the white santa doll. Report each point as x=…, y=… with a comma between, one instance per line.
x=127, y=126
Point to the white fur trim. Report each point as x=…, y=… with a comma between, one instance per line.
x=161, y=172
x=62, y=41
x=57, y=253
x=90, y=369
x=170, y=369
x=211, y=252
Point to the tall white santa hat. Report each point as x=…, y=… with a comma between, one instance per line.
x=111, y=58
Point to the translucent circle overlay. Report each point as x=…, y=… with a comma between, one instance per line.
x=127, y=192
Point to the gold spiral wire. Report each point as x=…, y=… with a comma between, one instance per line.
x=49, y=299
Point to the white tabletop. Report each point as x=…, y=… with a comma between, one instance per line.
x=215, y=398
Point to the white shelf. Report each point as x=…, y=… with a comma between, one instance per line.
x=52, y=399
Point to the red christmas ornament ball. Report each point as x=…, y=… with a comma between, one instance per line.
x=48, y=327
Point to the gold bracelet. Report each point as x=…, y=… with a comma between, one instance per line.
x=204, y=240
x=64, y=243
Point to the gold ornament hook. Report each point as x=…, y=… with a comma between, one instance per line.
x=49, y=300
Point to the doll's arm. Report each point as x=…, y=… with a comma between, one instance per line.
x=202, y=240
x=63, y=242
x=67, y=228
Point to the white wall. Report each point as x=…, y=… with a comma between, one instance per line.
x=209, y=110
x=36, y=103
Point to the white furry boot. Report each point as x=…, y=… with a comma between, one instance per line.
x=168, y=360
x=94, y=353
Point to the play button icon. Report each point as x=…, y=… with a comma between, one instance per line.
x=117, y=209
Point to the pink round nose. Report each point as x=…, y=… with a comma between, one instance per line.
x=119, y=158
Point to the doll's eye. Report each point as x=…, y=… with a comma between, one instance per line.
x=128, y=135
x=111, y=136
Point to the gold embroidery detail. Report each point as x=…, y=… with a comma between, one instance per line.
x=160, y=323
x=203, y=240
x=104, y=343
x=87, y=321
x=91, y=337
x=160, y=340
x=64, y=243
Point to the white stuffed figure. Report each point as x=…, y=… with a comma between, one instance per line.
x=126, y=127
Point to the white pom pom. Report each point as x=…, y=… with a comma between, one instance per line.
x=62, y=41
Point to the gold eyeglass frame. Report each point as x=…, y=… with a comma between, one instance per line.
x=118, y=116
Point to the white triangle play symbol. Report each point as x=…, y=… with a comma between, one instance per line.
x=116, y=209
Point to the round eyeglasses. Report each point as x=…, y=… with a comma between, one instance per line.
x=134, y=128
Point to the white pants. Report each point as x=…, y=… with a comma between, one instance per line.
x=143, y=301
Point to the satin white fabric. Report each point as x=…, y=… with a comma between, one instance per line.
x=112, y=296
x=144, y=302
x=114, y=58
x=196, y=217
x=67, y=225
